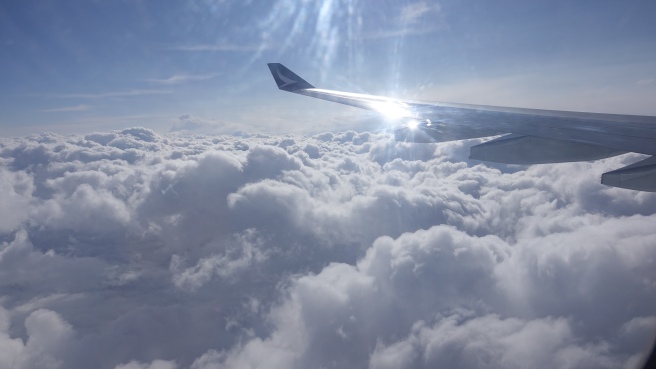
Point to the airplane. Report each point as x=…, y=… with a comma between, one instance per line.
x=529, y=136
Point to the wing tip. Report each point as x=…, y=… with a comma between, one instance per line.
x=286, y=79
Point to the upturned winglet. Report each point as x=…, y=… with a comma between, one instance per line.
x=286, y=79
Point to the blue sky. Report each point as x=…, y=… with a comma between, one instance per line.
x=80, y=66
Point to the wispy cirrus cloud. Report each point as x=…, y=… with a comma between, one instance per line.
x=103, y=95
x=80, y=107
x=412, y=13
x=645, y=82
x=413, y=20
x=219, y=47
x=182, y=78
x=400, y=32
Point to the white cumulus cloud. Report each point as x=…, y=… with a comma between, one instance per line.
x=133, y=249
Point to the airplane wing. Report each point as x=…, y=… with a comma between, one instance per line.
x=530, y=136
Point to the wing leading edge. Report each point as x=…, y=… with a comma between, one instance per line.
x=532, y=136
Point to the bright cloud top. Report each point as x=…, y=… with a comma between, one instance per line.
x=130, y=249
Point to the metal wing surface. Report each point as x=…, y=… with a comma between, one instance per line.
x=531, y=136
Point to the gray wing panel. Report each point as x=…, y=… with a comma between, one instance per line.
x=620, y=132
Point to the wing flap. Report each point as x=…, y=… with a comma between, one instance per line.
x=640, y=176
x=517, y=149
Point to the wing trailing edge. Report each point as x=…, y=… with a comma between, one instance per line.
x=518, y=149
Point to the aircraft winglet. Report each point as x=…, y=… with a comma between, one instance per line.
x=286, y=79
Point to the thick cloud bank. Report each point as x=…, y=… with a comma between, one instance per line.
x=135, y=250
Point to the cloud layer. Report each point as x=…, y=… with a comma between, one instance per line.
x=130, y=249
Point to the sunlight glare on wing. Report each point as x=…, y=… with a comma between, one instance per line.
x=391, y=109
